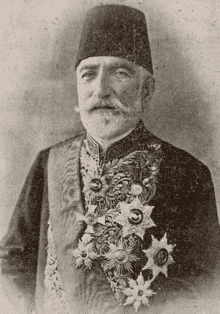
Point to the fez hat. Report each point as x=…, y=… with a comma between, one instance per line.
x=118, y=31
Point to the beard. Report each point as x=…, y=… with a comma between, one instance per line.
x=109, y=118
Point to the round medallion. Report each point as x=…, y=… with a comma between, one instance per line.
x=140, y=293
x=96, y=185
x=121, y=256
x=83, y=254
x=136, y=217
x=91, y=219
x=161, y=257
x=136, y=189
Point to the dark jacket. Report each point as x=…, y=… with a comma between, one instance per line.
x=184, y=206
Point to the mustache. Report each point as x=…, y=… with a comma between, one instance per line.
x=112, y=102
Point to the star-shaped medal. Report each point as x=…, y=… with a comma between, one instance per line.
x=135, y=217
x=159, y=256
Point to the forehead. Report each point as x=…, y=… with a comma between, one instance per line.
x=108, y=62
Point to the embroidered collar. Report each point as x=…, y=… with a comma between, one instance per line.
x=133, y=141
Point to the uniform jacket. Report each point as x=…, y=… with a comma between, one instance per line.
x=184, y=208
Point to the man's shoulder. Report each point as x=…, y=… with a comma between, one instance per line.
x=178, y=156
x=180, y=165
x=173, y=156
x=43, y=155
x=78, y=137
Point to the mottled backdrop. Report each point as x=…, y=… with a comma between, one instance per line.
x=39, y=39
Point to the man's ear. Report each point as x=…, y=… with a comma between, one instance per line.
x=148, y=89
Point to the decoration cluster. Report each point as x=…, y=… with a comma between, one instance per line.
x=118, y=217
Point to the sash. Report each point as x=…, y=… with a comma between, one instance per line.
x=87, y=291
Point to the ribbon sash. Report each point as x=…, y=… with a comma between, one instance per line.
x=87, y=291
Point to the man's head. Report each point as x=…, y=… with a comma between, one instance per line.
x=114, y=70
x=112, y=94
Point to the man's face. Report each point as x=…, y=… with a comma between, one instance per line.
x=109, y=95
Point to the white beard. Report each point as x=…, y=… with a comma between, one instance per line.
x=105, y=123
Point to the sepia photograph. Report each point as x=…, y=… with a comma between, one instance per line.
x=109, y=159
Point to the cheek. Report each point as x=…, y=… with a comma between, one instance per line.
x=83, y=95
x=129, y=92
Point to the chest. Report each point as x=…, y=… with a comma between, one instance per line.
x=136, y=231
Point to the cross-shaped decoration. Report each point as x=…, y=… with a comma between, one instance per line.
x=91, y=218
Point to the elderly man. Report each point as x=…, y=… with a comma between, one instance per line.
x=114, y=220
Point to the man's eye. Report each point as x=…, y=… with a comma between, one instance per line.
x=88, y=75
x=121, y=74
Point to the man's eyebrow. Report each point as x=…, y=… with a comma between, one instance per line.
x=122, y=65
x=88, y=67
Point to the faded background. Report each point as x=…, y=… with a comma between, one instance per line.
x=39, y=39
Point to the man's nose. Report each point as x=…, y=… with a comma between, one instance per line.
x=102, y=85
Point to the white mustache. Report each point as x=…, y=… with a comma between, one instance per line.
x=111, y=103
